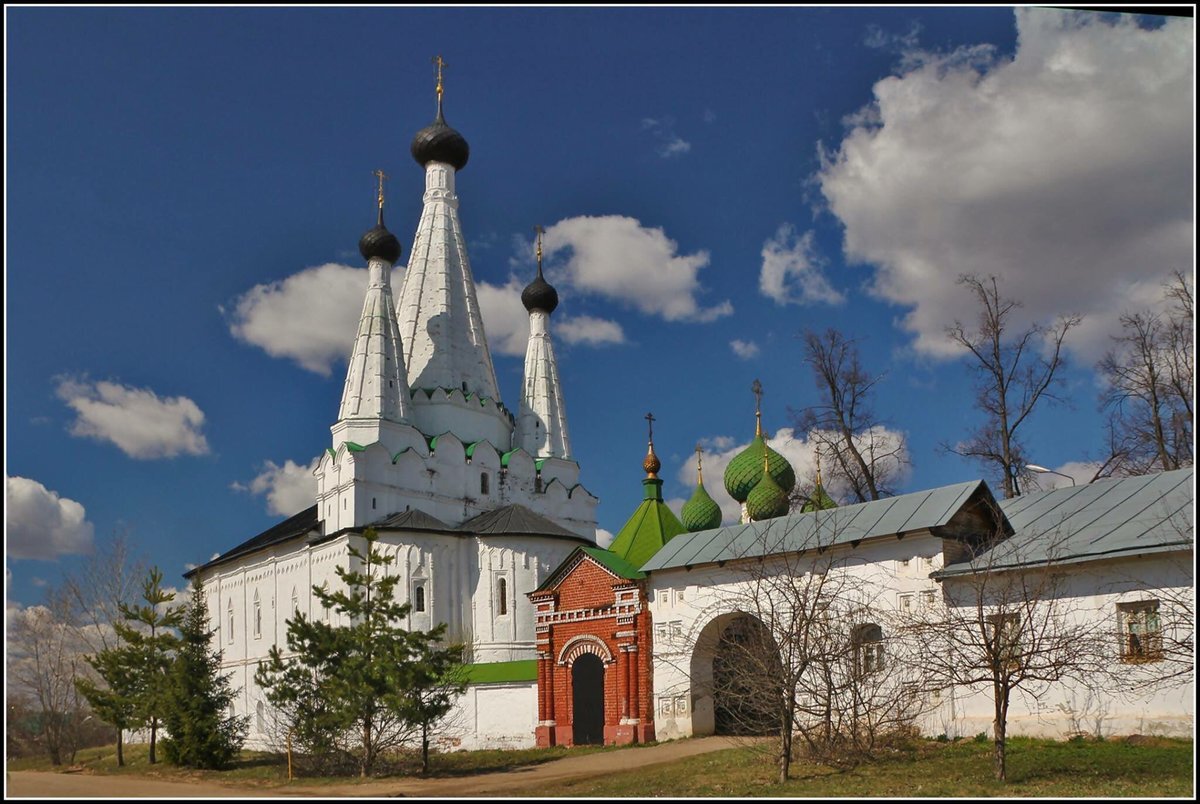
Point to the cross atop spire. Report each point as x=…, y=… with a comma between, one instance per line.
x=651, y=464
x=699, y=465
x=540, y=231
x=756, y=388
x=440, y=64
x=379, y=174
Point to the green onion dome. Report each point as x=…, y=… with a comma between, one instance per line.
x=767, y=499
x=700, y=512
x=819, y=501
x=746, y=469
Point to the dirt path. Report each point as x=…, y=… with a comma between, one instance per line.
x=77, y=785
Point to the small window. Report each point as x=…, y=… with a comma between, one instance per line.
x=257, y=617
x=868, y=649
x=904, y=563
x=906, y=603
x=927, y=561
x=483, y=483
x=295, y=603
x=260, y=718
x=660, y=630
x=679, y=596
x=502, y=593
x=419, y=598
x=662, y=597
x=372, y=503
x=929, y=598
x=676, y=629
x=230, y=609
x=1140, y=631
x=537, y=482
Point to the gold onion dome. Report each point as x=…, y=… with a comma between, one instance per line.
x=651, y=464
x=767, y=499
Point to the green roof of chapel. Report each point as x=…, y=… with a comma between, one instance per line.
x=651, y=526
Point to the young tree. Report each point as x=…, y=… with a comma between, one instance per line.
x=1006, y=622
x=116, y=699
x=203, y=733
x=150, y=641
x=45, y=659
x=349, y=688
x=856, y=449
x=806, y=657
x=1150, y=385
x=436, y=683
x=1014, y=371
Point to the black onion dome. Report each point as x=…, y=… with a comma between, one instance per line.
x=438, y=142
x=539, y=295
x=379, y=242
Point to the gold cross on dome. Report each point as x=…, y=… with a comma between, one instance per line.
x=381, y=176
x=540, y=231
x=440, y=64
x=650, y=420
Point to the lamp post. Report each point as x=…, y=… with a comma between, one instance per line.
x=1033, y=467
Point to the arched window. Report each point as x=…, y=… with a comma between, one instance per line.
x=483, y=483
x=257, y=617
x=260, y=718
x=419, y=598
x=295, y=603
x=868, y=648
x=230, y=612
x=502, y=594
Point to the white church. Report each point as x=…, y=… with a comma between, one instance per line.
x=481, y=507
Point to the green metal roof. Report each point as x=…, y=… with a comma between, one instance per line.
x=800, y=531
x=614, y=563
x=1110, y=517
x=652, y=526
x=354, y=447
x=501, y=672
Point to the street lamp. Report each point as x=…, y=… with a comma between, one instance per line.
x=1033, y=467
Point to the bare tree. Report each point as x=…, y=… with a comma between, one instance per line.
x=44, y=660
x=1014, y=371
x=1006, y=622
x=857, y=451
x=1150, y=385
x=806, y=658
x=111, y=575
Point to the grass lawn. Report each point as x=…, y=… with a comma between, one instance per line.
x=1142, y=767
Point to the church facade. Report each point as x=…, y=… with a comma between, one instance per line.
x=488, y=523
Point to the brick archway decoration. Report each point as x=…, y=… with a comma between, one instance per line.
x=584, y=643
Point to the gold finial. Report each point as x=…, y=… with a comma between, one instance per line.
x=651, y=464
x=540, y=231
x=379, y=174
x=756, y=388
x=699, y=466
x=440, y=64
x=818, y=469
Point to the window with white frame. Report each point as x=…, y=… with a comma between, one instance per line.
x=502, y=594
x=660, y=630
x=929, y=598
x=906, y=603
x=295, y=603
x=1140, y=631
x=229, y=619
x=419, y=597
x=867, y=640
x=676, y=628
x=260, y=717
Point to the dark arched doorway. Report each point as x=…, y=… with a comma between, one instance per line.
x=587, y=700
x=746, y=675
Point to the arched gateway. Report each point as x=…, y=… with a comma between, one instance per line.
x=735, y=668
x=587, y=700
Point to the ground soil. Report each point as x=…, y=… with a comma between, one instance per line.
x=30, y=784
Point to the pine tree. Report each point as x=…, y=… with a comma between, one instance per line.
x=149, y=638
x=202, y=731
x=349, y=688
x=116, y=703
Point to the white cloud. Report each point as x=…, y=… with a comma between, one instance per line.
x=505, y=320
x=604, y=538
x=589, y=330
x=289, y=488
x=136, y=420
x=618, y=258
x=41, y=524
x=800, y=452
x=1065, y=171
x=309, y=317
x=793, y=272
x=746, y=350
x=670, y=144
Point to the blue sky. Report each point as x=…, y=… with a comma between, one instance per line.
x=185, y=189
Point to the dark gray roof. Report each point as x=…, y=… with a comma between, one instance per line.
x=413, y=519
x=517, y=520
x=895, y=515
x=1111, y=517
x=296, y=525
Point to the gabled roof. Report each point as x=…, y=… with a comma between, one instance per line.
x=296, y=525
x=1110, y=517
x=609, y=561
x=800, y=531
x=651, y=526
x=516, y=520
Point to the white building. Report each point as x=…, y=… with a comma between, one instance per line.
x=475, y=505
x=1121, y=552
